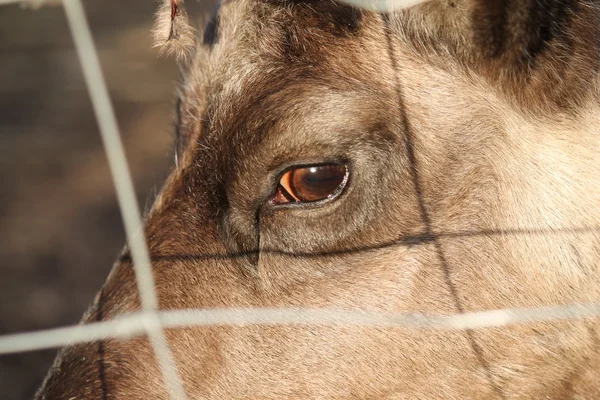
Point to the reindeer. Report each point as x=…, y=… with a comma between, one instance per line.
x=441, y=158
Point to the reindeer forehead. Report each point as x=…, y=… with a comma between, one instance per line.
x=280, y=32
x=252, y=46
x=323, y=17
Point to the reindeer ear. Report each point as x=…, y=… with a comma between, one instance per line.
x=172, y=33
x=550, y=48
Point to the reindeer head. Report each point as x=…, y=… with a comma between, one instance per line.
x=436, y=159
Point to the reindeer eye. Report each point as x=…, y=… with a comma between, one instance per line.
x=311, y=183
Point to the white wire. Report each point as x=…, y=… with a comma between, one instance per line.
x=30, y=3
x=109, y=131
x=383, y=5
x=135, y=324
x=375, y=5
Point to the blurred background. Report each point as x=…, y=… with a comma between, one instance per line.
x=60, y=227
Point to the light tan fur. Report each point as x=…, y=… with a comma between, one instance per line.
x=173, y=34
x=502, y=201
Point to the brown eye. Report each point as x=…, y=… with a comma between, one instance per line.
x=311, y=183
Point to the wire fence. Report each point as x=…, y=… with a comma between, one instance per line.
x=150, y=321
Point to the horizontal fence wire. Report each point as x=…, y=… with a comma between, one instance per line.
x=375, y=5
x=383, y=5
x=132, y=325
x=31, y=3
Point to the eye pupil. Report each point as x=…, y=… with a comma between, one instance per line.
x=309, y=184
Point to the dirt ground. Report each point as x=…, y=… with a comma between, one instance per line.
x=60, y=228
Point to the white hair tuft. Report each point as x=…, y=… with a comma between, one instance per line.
x=172, y=33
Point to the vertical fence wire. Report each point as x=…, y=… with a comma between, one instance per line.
x=107, y=122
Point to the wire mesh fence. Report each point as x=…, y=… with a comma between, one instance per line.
x=150, y=321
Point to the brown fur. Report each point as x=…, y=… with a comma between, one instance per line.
x=471, y=129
